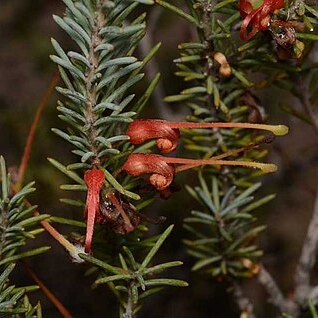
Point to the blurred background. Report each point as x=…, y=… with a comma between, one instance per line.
x=26, y=27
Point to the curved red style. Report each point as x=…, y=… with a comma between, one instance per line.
x=258, y=18
x=94, y=180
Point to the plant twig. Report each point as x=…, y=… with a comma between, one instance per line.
x=307, y=259
x=276, y=296
x=35, y=123
x=305, y=100
x=129, y=305
x=72, y=249
x=91, y=90
x=313, y=295
x=59, y=306
x=242, y=301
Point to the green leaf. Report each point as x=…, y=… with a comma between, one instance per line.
x=118, y=187
x=178, y=11
x=4, y=184
x=155, y=248
x=71, y=222
x=113, y=278
x=205, y=262
x=161, y=267
x=33, y=252
x=166, y=281
x=67, y=172
x=97, y=262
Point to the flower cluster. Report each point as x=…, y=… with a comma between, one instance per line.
x=162, y=170
x=167, y=134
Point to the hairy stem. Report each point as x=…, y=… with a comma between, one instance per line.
x=91, y=93
x=305, y=100
x=276, y=296
x=129, y=313
x=244, y=303
x=307, y=259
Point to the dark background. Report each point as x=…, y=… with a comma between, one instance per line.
x=26, y=27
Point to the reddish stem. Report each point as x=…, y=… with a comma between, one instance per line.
x=35, y=123
x=60, y=307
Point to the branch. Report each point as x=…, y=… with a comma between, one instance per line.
x=60, y=307
x=313, y=295
x=304, y=97
x=91, y=89
x=307, y=259
x=276, y=296
x=129, y=305
x=242, y=301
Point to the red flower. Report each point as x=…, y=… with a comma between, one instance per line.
x=161, y=172
x=167, y=137
x=94, y=180
x=162, y=169
x=259, y=18
x=167, y=134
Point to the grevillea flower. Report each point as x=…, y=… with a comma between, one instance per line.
x=257, y=17
x=167, y=134
x=162, y=170
x=94, y=180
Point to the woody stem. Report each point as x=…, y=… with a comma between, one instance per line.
x=58, y=237
x=129, y=305
x=55, y=301
x=91, y=92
